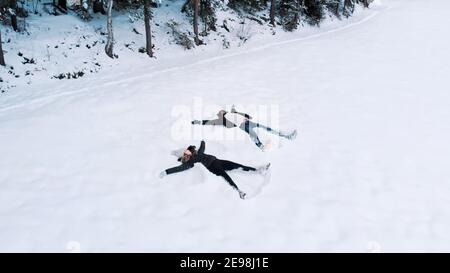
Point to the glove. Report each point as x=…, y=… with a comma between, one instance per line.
x=162, y=174
x=196, y=122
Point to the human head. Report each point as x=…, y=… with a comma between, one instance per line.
x=192, y=149
x=187, y=154
x=221, y=113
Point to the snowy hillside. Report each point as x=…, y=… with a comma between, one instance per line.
x=368, y=171
x=66, y=47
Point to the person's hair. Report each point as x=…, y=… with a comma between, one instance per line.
x=192, y=149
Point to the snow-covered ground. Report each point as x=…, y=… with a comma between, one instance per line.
x=51, y=47
x=369, y=170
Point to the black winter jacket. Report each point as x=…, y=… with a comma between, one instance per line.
x=200, y=156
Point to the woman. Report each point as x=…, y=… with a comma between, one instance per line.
x=216, y=166
x=243, y=121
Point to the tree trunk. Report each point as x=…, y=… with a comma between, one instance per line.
x=14, y=22
x=203, y=8
x=299, y=5
x=62, y=4
x=272, y=12
x=97, y=6
x=341, y=7
x=196, y=7
x=148, y=31
x=110, y=42
x=13, y=7
x=2, y=58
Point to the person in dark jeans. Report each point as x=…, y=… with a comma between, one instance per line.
x=216, y=166
x=246, y=125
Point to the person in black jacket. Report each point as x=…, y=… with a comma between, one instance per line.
x=216, y=166
x=245, y=124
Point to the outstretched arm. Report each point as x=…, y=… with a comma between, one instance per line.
x=219, y=121
x=208, y=122
x=177, y=169
x=201, y=150
x=233, y=110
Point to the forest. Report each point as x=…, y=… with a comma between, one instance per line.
x=285, y=14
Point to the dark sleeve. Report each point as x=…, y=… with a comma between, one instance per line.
x=244, y=115
x=201, y=150
x=212, y=122
x=182, y=167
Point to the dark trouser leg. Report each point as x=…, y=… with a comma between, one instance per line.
x=229, y=165
x=217, y=169
x=228, y=179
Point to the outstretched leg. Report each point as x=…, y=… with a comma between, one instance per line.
x=231, y=182
x=248, y=128
x=217, y=169
x=229, y=165
x=254, y=137
x=268, y=129
x=228, y=179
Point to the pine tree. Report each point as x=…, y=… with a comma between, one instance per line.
x=272, y=12
x=314, y=11
x=12, y=12
x=205, y=11
x=208, y=15
x=365, y=3
x=248, y=5
x=289, y=11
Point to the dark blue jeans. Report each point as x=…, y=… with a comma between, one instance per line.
x=249, y=127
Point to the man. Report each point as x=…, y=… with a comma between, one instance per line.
x=243, y=121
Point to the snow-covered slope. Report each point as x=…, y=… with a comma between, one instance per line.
x=59, y=47
x=368, y=170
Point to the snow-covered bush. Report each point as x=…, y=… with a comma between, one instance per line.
x=180, y=38
x=244, y=33
x=248, y=5
x=207, y=13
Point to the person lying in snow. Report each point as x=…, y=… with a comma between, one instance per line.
x=244, y=124
x=216, y=166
